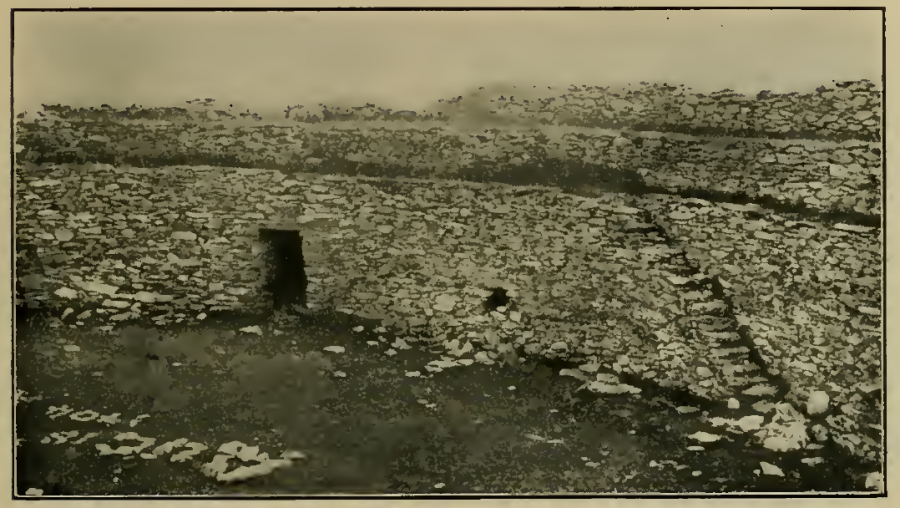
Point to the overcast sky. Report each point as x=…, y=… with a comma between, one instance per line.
x=408, y=60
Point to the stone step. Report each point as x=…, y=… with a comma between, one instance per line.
x=722, y=337
x=709, y=307
x=708, y=322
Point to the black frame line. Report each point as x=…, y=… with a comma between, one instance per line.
x=732, y=495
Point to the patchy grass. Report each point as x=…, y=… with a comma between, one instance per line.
x=341, y=391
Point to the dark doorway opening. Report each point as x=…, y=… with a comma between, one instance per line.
x=286, y=281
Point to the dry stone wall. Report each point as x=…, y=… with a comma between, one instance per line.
x=615, y=284
x=822, y=175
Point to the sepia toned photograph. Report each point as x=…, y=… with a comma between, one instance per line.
x=374, y=252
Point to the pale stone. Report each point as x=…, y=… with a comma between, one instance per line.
x=771, y=469
x=817, y=402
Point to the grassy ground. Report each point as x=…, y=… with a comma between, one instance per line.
x=363, y=422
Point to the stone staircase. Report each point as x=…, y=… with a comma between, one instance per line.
x=712, y=356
